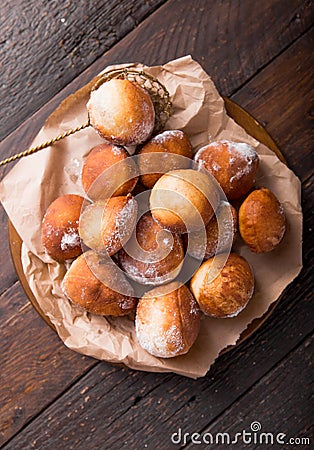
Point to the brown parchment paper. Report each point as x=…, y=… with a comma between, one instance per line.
x=37, y=180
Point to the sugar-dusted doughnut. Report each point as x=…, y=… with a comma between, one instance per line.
x=153, y=255
x=233, y=164
x=219, y=235
x=223, y=287
x=108, y=171
x=184, y=200
x=167, y=320
x=162, y=153
x=59, y=231
x=122, y=112
x=97, y=285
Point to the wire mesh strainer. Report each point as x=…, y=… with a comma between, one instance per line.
x=157, y=91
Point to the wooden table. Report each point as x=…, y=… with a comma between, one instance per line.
x=259, y=54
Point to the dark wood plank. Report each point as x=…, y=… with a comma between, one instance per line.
x=286, y=88
x=36, y=367
x=231, y=39
x=184, y=396
x=296, y=92
x=7, y=272
x=44, y=45
x=113, y=390
x=204, y=35
x=281, y=402
x=147, y=408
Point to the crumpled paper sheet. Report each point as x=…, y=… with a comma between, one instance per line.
x=37, y=180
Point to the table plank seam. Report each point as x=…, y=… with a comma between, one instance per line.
x=272, y=59
x=278, y=363
x=122, y=30
x=264, y=65
x=139, y=398
x=91, y=368
x=306, y=183
x=42, y=410
x=262, y=392
x=233, y=92
x=2, y=293
x=136, y=402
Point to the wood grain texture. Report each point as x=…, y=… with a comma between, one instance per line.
x=289, y=77
x=127, y=409
x=54, y=398
x=269, y=402
x=35, y=358
x=44, y=45
x=232, y=39
x=62, y=50
x=170, y=33
x=7, y=272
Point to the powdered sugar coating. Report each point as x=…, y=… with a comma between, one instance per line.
x=152, y=255
x=233, y=164
x=60, y=236
x=122, y=112
x=169, y=150
x=156, y=342
x=70, y=239
x=218, y=235
x=243, y=148
x=163, y=137
x=124, y=223
x=167, y=323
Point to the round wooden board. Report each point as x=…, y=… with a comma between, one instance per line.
x=254, y=128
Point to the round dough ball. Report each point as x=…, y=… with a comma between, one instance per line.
x=108, y=171
x=106, y=225
x=98, y=286
x=220, y=233
x=152, y=255
x=90, y=225
x=233, y=164
x=172, y=144
x=59, y=231
x=184, y=200
x=223, y=289
x=118, y=222
x=167, y=320
x=262, y=222
x=122, y=112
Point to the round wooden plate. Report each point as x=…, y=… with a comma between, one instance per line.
x=244, y=119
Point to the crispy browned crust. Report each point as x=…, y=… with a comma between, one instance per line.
x=101, y=158
x=150, y=272
x=262, y=222
x=229, y=292
x=133, y=119
x=167, y=324
x=232, y=171
x=83, y=288
x=118, y=222
x=59, y=230
x=208, y=249
x=187, y=186
x=170, y=141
